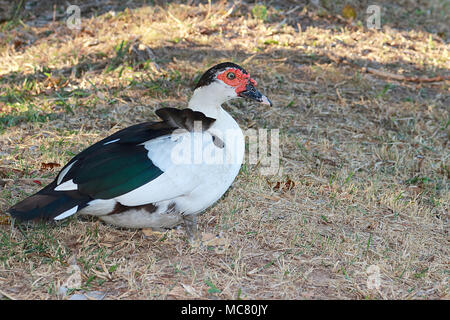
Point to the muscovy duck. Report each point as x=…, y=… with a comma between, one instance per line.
x=156, y=174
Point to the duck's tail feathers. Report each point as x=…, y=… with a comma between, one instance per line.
x=48, y=204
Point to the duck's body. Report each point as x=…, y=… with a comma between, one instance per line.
x=155, y=174
x=187, y=186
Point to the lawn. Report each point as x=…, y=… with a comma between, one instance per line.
x=359, y=205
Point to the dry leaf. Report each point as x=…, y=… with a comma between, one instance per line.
x=149, y=232
x=177, y=292
x=208, y=31
x=56, y=82
x=282, y=186
x=220, y=244
x=4, y=172
x=255, y=270
x=207, y=236
x=190, y=290
x=272, y=198
x=49, y=165
x=74, y=280
x=5, y=220
x=348, y=12
x=4, y=182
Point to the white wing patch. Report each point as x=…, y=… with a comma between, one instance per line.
x=99, y=207
x=67, y=186
x=64, y=172
x=67, y=213
x=112, y=141
x=177, y=180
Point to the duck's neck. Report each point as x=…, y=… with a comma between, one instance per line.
x=207, y=101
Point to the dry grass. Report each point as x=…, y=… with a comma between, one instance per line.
x=369, y=156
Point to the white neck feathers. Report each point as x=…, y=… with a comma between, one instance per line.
x=209, y=99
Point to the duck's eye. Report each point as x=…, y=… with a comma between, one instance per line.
x=231, y=76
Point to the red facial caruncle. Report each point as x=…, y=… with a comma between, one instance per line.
x=237, y=79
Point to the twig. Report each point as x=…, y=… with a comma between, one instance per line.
x=292, y=10
x=277, y=28
x=386, y=74
x=400, y=77
x=174, y=18
x=249, y=59
x=25, y=180
x=209, y=10
x=7, y=295
x=230, y=11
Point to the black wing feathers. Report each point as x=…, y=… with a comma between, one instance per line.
x=109, y=168
x=184, y=119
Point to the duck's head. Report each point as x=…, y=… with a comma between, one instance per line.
x=226, y=81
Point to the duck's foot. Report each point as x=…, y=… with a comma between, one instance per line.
x=190, y=224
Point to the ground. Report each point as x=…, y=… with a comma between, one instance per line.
x=359, y=207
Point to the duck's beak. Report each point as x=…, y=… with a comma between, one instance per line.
x=252, y=93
